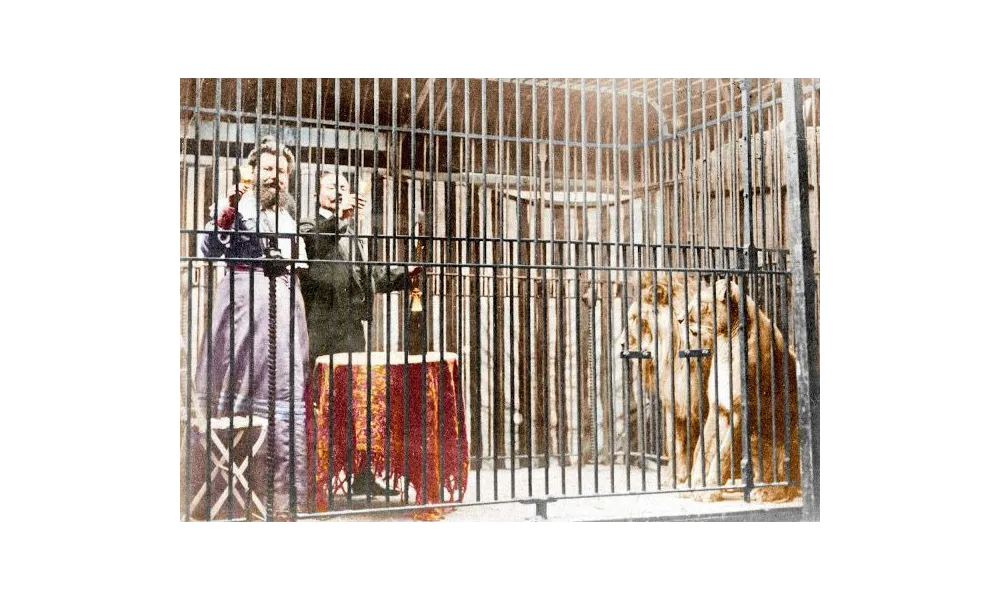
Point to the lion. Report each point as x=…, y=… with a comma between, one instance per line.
x=714, y=319
x=679, y=383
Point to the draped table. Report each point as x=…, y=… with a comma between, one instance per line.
x=418, y=436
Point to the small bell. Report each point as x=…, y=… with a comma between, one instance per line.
x=415, y=303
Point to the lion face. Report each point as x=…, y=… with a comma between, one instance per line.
x=714, y=312
x=649, y=329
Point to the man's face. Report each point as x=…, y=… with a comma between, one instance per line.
x=332, y=186
x=273, y=170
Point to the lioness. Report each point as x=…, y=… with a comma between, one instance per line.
x=771, y=390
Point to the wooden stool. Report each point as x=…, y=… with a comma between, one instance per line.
x=242, y=481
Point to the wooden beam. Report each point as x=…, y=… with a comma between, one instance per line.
x=424, y=93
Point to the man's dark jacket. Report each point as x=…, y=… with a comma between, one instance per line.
x=338, y=296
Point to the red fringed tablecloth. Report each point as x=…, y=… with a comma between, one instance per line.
x=398, y=435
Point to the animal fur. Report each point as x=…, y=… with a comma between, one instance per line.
x=714, y=319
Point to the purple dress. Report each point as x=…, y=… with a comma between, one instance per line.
x=238, y=328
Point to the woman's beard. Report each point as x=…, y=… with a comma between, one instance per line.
x=270, y=196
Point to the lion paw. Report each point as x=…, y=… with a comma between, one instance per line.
x=714, y=496
x=773, y=494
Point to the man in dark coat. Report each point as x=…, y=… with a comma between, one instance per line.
x=338, y=296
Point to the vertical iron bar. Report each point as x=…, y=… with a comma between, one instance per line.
x=524, y=316
x=580, y=245
x=600, y=252
x=623, y=284
x=197, y=188
x=554, y=245
x=466, y=257
x=636, y=261
x=696, y=262
x=371, y=306
x=232, y=326
x=406, y=305
x=211, y=307
x=293, y=491
x=705, y=157
x=618, y=262
x=385, y=187
x=566, y=250
x=674, y=159
x=510, y=310
x=445, y=255
x=719, y=197
x=497, y=306
x=427, y=204
x=746, y=464
x=250, y=310
x=538, y=392
x=737, y=227
x=753, y=284
x=483, y=210
x=650, y=249
x=515, y=351
x=804, y=299
x=314, y=389
x=671, y=425
x=593, y=291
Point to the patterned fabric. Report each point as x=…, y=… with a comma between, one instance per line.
x=398, y=439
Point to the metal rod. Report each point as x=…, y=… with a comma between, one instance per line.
x=484, y=210
x=656, y=401
x=427, y=206
x=390, y=250
x=190, y=325
x=746, y=464
x=539, y=388
x=411, y=130
x=580, y=390
x=636, y=261
x=606, y=345
x=492, y=211
x=412, y=188
x=804, y=316
x=752, y=286
x=549, y=253
x=444, y=256
x=258, y=109
x=210, y=311
x=467, y=159
x=232, y=334
x=293, y=397
x=368, y=281
x=620, y=258
x=313, y=400
x=563, y=413
x=693, y=404
x=593, y=297
x=524, y=314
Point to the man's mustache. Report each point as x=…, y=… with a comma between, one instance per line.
x=270, y=195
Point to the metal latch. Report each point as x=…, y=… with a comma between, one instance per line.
x=694, y=353
x=636, y=354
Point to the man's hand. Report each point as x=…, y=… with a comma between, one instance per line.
x=234, y=193
x=347, y=204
